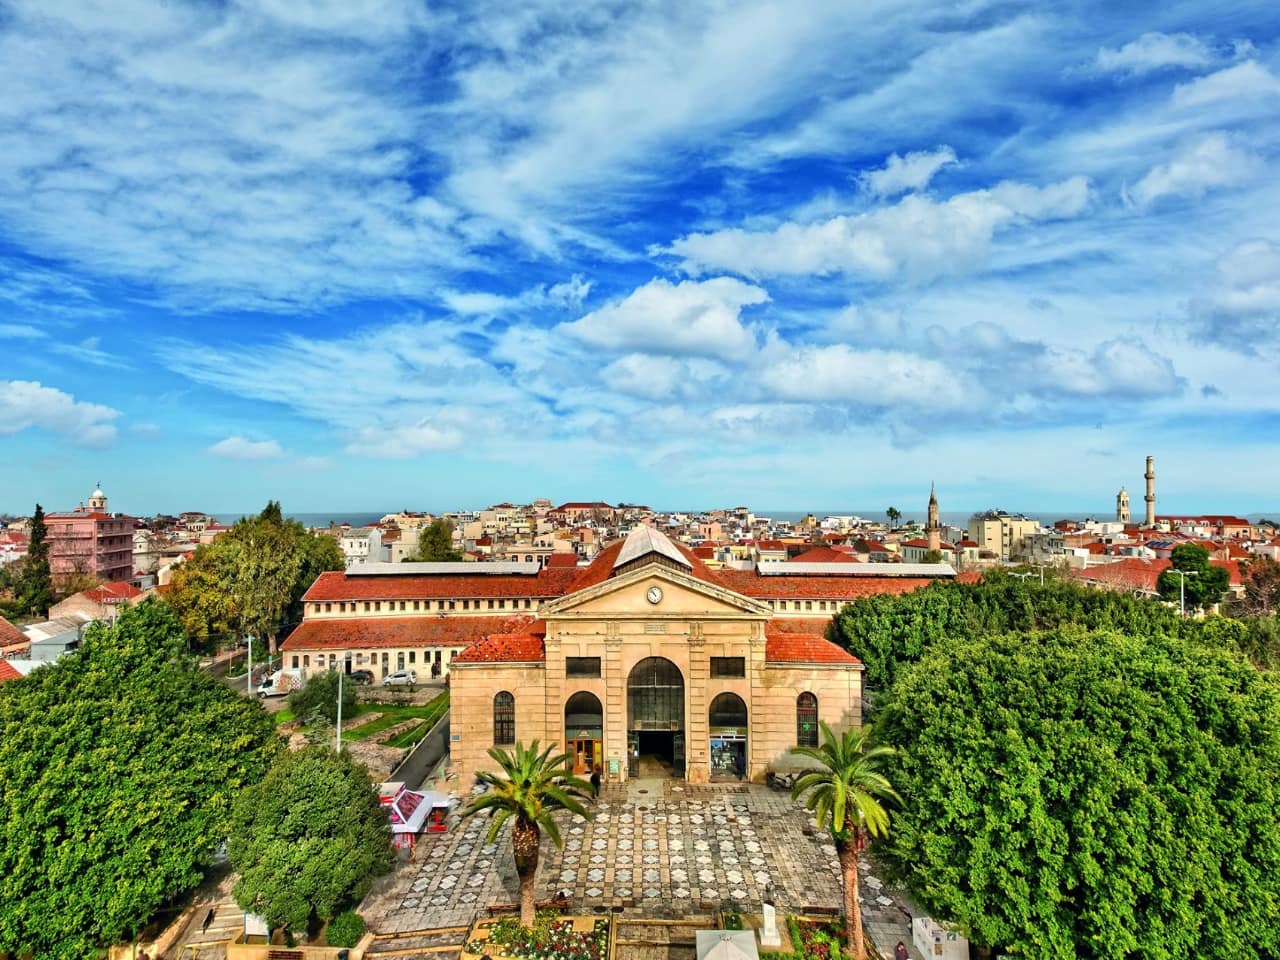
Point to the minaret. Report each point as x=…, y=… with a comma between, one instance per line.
x=98, y=500
x=1122, y=505
x=1151, y=491
x=933, y=526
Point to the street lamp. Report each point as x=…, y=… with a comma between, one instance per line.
x=1182, y=587
x=248, y=676
x=342, y=668
x=1032, y=573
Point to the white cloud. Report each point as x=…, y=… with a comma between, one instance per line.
x=1244, y=80
x=1242, y=310
x=566, y=295
x=660, y=378
x=917, y=236
x=692, y=317
x=900, y=174
x=1155, y=51
x=1212, y=161
x=877, y=378
x=19, y=331
x=1114, y=369
x=238, y=448
x=26, y=403
x=402, y=442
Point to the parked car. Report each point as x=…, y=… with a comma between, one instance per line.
x=361, y=676
x=401, y=678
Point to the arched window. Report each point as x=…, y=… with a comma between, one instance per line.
x=504, y=719
x=807, y=720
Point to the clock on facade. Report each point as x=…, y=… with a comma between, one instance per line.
x=653, y=594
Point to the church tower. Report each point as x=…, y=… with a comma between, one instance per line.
x=1122, y=505
x=933, y=526
x=98, y=500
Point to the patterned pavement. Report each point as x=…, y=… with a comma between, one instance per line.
x=654, y=848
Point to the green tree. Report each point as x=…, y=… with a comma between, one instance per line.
x=1205, y=584
x=845, y=795
x=319, y=697
x=528, y=791
x=270, y=563
x=1070, y=794
x=435, y=544
x=118, y=765
x=932, y=556
x=33, y=585
x=894, y=515
x=308, y=840
x=200, y=591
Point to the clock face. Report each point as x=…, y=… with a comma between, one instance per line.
x=654, y=594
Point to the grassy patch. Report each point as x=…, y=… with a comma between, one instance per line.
x=428, y=713
x=284, y=716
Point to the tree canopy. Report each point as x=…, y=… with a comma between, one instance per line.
x=118, y=765
x=1204, y=585
x=1070, y=794
x=31, y=584
x=1260, y=578
x=319, y=696
x=435, y=544
x=309, y=839
x=250, y=581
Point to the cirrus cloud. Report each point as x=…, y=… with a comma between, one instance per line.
x=238, y=448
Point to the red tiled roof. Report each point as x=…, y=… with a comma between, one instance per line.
x=113, y=592
x=771, y=545
x=9, y=634
x=505, y=648
x=8, y=672
x=336, y=585
x=823, y=555
x=1136, y=573
x=750, y=584
x=797, y=641
x=969, y=576
x=427, y=631
x=562, y=560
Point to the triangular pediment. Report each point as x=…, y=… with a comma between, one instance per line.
x=656, y=590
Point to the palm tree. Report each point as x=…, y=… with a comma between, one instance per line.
x=894, y=515
x=531, y=787
x=844, y=795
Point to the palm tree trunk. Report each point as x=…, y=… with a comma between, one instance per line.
x=848, y=852
x=525, y=841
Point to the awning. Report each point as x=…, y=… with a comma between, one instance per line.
x=727, y=945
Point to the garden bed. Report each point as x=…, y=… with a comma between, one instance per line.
x=553, y=937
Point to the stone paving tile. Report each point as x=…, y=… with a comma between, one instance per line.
x=671, y=851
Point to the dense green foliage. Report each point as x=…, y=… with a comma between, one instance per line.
x=308, y=840
x=118, y=765
x=318, y=697
x=887, y=632
x=1070, y=794
x=345, y=930
x=435, y=544
x=31, y=585
x=250, y=581
x=1200, y=583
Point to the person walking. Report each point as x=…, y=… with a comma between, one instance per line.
x=595, y=784
x=900, y=952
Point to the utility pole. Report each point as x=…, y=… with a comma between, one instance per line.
x=1182, y=587
x=248, y=677
x=341, y=671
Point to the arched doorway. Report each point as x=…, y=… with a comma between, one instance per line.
x=584, y=732
x=655, y=719
x=727, y=721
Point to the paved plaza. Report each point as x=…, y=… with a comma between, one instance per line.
x=654, y=849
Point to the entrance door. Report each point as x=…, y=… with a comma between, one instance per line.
x=655, y=718
x=727, y=718
x=584, y=732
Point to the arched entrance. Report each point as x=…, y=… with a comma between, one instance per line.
x=584, y=732
x=655, y=719
x=727, y=718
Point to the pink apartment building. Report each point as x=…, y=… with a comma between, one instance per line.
x=91, y=540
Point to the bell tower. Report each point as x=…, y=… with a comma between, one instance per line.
x=933, y=526
x=98, y=500
x=1122, y=506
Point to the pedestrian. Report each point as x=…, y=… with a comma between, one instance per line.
x=739, y=765
x=900, y=951
x=595, y=784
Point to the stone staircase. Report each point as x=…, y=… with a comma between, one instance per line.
x=438, y=943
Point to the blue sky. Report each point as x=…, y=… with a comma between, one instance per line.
x=356, y=255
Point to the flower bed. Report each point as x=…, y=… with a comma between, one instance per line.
x=817, y=939
x=552, y=938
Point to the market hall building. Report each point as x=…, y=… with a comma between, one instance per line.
x=644, y=663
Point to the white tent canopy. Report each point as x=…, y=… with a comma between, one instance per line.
x=727, y=945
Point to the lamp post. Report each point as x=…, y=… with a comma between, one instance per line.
x=248, y=676
x=1182, y=587
x=342, y=668
x=1031, y=573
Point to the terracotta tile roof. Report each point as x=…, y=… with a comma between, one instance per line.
x=781, y=587
x=969, y=576
x=505, y=648
x=797, y=641
x=601, y=568
x=9, y=634
x=823, y=555
x=8, y=672
x=427, y=631
x=563, y=560
x=1136, y=573
x=113, y=592
x=336, y=585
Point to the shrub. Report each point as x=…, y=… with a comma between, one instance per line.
x=345, y=930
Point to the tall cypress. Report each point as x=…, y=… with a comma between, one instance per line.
x=35, y=592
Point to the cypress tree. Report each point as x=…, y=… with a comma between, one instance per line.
x=35, y=587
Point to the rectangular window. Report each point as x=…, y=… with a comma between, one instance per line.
x=306, y=661
x=490, y=604
x=367, y=606
x=412, y=656
x=295, y=661
x=728, y=667
x=386, y=661
x=451, y=604
x=400, y=660
x=328, y=607
x=808, y=604
x=415, y=604
x=582, y=666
